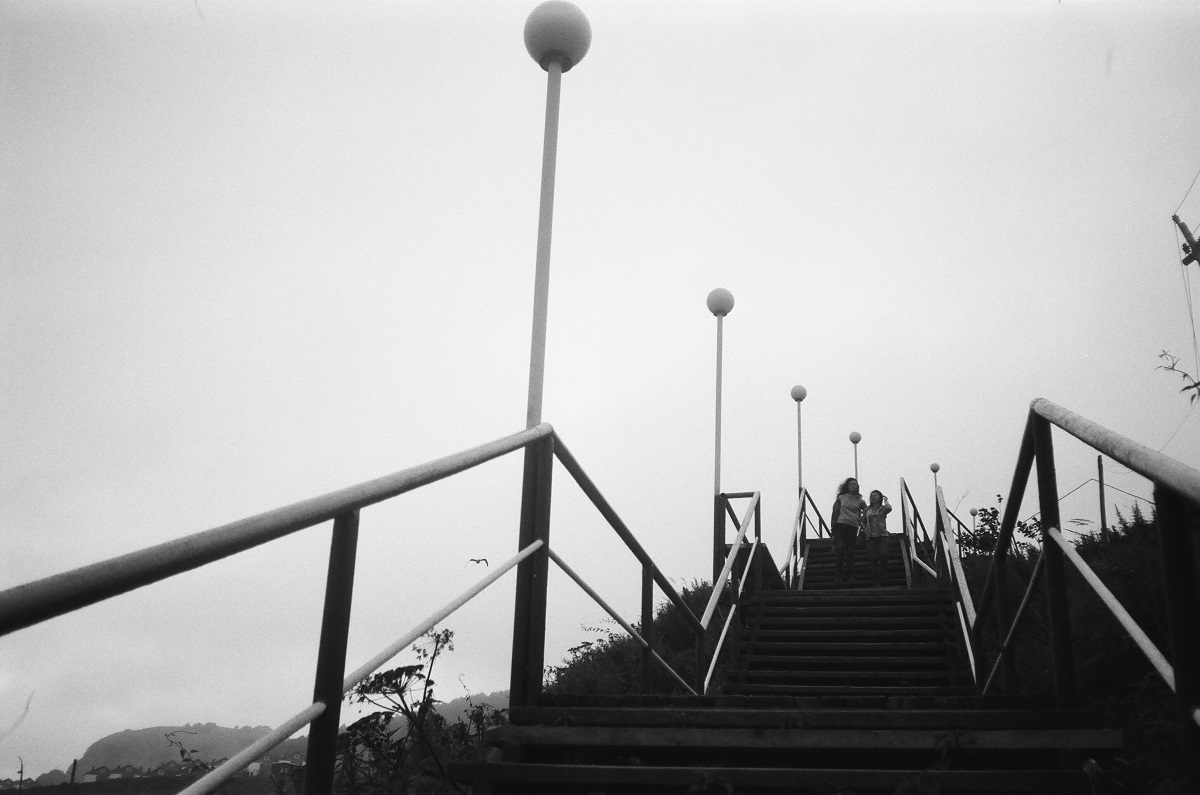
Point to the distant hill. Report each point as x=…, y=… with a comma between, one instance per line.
x=149, y=748
x=456, y=709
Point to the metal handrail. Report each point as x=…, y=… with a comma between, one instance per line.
x=719, y=583
x=616, y=617
x=957, y=579
x=712, y=665
x=911, y=523
x=787, y=570
x=593, y=493
x=31, y=603
x=1150, y=464
x=1177, y=491
x=231, y=767
x=1012, y=630
x=797, y=542
x=954, y=562
x=1144, y=644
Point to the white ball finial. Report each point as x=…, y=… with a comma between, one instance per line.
x=799, y=393
x=855, y=437
x=557, y=31
x=720, y=302
x=934, y=468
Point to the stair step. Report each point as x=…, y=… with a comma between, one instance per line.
x=856, y=611
x=813, y=718
x=907, y=595
x=890, y=663
x=848, y=622
x=936, y=649
x=614, y=779
x=820, y=676
x=647, y=738
x=934, y=635
x=850, y=691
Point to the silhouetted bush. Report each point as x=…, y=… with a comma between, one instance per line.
x=611, y=664
x=1111, y=673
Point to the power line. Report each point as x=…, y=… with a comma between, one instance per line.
x=1189, y=190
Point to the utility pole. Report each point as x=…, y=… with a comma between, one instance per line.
x=1189, y=248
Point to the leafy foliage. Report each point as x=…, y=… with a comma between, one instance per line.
x=404, y=746
x=983, y=538
x=1190, y=384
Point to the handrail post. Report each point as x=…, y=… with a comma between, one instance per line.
x=1056, y=585
x=1008, y=664
x=529, y=614
x=718, y=536
x=321, y=756
x=1178, y=525
x=647, y=673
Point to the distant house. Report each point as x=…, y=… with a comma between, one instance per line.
x=168, y=769
x=126, y=771
x=7, y=784
x=101, y=773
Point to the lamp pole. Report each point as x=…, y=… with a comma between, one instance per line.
x=557, y=35
x=855, y=438
x=798, y=395
x=720, y=303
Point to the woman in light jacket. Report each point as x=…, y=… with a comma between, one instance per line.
x=877, y=535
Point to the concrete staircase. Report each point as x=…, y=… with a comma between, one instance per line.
x=819, y=571
x=835, y=691
x=850, y=643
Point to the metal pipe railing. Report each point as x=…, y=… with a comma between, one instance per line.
x=1150, y=464
x=1177, y=492
x=1114, y=605
x=1012, y=630
x=712, y=666
x=606, y=510
x=719, y=583
x=236, y=763
x=616, y=617
x=25, y=605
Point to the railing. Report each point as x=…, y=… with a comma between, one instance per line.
x=951, y=571
x=911, y=518
x=1177, y=504
x=793, y=565
x=35, y=602
x=42, y=600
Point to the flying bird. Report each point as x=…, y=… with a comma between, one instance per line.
x=479, y=560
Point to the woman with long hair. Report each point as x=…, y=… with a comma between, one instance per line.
x=846, y=518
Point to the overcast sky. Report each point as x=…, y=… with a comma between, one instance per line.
x=253, y=252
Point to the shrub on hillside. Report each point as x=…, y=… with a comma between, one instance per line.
x=1111, y=673
x=611, y=664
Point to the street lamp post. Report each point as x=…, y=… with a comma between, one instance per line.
x=557, y=35
x=720, y=303
x=855, y=438
x=798, y=395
